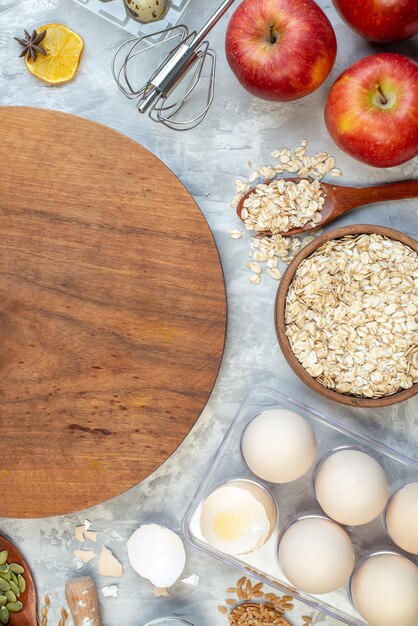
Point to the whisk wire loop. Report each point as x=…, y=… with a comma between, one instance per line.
x=164, y=112
x=186, y=61
x=132, y=49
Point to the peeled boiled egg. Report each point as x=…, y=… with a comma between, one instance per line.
x=402, y=518
x=157, y=553
x=316, y=555
x=351, y=487
x=384, y=590
x=238, y=517
x=279, y=445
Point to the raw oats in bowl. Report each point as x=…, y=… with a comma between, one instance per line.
x=347, y=315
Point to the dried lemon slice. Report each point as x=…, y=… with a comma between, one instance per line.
x=64, y=48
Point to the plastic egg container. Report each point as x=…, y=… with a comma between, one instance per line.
x=115, y=12
x=309, y=487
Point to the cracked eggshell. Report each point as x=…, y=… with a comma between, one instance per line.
x=238, y=517
x=157, y=553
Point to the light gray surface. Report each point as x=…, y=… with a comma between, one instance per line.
x=238, y=128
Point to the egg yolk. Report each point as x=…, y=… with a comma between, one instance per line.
x=229, y=525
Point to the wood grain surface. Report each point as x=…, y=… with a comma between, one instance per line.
x=28, y=614
x=81, y=594
x=112, y=312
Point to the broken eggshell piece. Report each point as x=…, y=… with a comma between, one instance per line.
x=238, y=517
x=109, y=565
x=157, y=553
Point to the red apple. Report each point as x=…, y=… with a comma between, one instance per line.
x=372, y=110
x=381, y=20
x=280, y=49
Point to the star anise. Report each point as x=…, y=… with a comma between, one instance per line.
x=31, y=45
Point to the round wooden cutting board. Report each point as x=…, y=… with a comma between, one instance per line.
x=112, y=312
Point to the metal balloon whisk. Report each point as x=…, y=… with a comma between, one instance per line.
x=169, y=89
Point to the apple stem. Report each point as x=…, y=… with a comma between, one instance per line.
x=383, y=98
x=273, y=37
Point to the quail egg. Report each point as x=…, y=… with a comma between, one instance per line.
x=146, y=10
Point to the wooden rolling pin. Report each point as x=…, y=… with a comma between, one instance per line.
x=82, y=599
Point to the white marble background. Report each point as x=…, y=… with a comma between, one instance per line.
x=238, y=128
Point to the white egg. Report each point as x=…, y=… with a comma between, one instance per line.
x=146, y=10
x=157, y=553
x=384, y=589
x=402, y=518
x=279, y=445
x=238, y=517
x=351, y=487
x=316, y=555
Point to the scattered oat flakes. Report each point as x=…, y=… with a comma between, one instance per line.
x=275, y=273
x=351, y=315
x=283, y=205
x=255, y=267
x=235, y=233
x=255, y=279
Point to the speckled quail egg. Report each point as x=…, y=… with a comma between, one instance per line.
x=146, y=10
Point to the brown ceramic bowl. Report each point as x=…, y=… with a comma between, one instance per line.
x=400, y=396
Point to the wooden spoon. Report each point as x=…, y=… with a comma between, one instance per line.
x=340, y=200
x=28, y=615
x=82, y=599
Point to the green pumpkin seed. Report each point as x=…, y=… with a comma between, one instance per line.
x=4, y=585
x=3, y=600
x=21, y=583
x=14, y=588
x=11, y=597
x=16, y=568
x=4, y=555
x=13, y=577
x=14, y=607
x=4, y=615
x=6, y=575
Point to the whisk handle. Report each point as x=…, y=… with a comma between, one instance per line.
x=168, y=75
x=200, y=36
